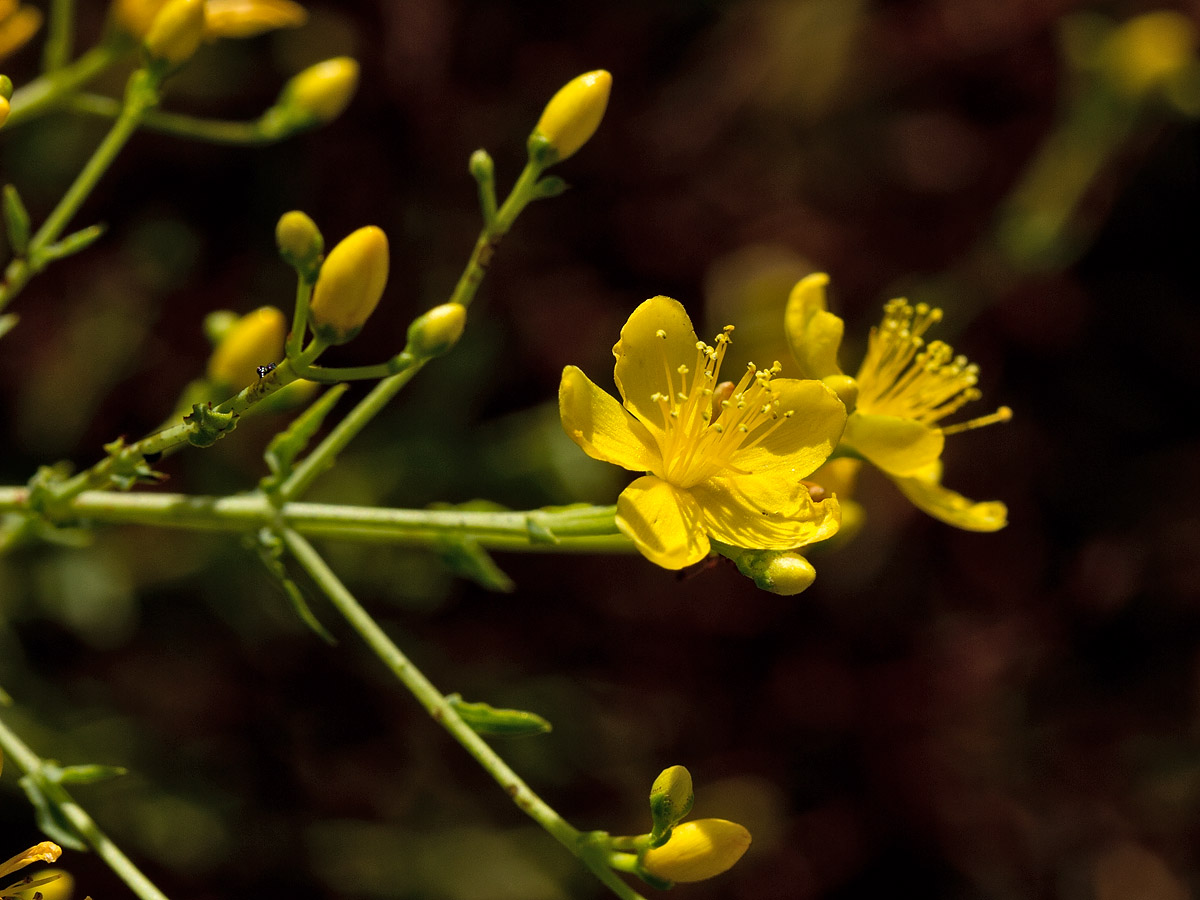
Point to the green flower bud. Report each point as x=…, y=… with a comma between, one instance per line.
x=300, y=242
x=783, y=572
x=349, y=285
x=571, y=117
x=435, y=332
x=6, y=87
x=698, y=850
x=671, y=799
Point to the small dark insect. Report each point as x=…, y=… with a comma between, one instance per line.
x=263, y=371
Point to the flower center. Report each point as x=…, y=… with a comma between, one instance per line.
x=904, y=376
x=706, y=423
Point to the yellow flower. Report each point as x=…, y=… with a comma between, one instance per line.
x=573, y=114
x=698, y=850
x=731, y=469
x=18, y=23
x=903, y=389
x=46, y=851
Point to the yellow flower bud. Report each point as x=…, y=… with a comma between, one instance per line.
x=698, y=850
x=349, y=285
x=17, y=26
x=5, y=109
x=320, y=93
x=572, y=115
x=136, y=16
x=671, y=798
x=254, y=340
x=1150, y=50
x=247, y=18
x=176, y=32
x=437, y=330
x=300, y=242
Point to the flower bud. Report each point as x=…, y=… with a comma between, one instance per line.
x=136, y=16
x=254, y=340
x=349, y=285
x=783, y=572
x=300, y=242
x=17, y=25
x=5, y=109
x=1149, y=51
x=698, y=850
x=435, y=332
x=321, y=92
x=247, y=18
x=6, y=87
x=571, y=117
x=671, y=799
x=176, y=31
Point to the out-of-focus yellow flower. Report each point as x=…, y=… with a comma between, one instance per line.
x=321, y=92
x=18, y=23
x=46, y=851
x=222, y=18
x=176, y=32
x=1149, y=51
x=349, y=286
x=247, y=18
x=698, y=850
x=726, y=462
x=256, y=339
x=573, y=114
x=903, y=389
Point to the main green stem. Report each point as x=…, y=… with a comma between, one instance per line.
x=581, y=529
x=30, y=763
x=428, y=695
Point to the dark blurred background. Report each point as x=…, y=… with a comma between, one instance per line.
x=943, y=714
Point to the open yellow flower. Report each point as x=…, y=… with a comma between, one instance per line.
x=903, y=389
x=725, y=462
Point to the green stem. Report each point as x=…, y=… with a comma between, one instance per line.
x=141, y=95
x=60, y=33
x=214, y=131
x=31, y=764
x=427, y=695
x=47, y=92
x=573, y=529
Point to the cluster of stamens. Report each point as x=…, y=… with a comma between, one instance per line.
x=904, y=376
x=706, y=422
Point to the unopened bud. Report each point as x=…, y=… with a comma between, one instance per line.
x=571, y=117
x=5, y=109
x=18, y=23
x=671, y=799
x=783, y=572
x=321, y=92
x=136, y=16
x=349, y=286
x=698, y=850
x=176, y=31
x=300, y=242
x=254, y=340
x=435, y=332
x=6, y=87
x=247, y=18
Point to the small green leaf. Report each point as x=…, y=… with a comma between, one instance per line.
x=71, y=244
x=281, y=453
x=486, y=719
x=16, y=220
x=270, y=550
x=49, y=815
x=466, y=558
x=88, y=774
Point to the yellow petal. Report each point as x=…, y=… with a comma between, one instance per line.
x=925, y=491
x=599, y=424
x=798, y=444
x=46, y=851
x=897, y=445
x=814, y=333
x=646, y=363
x=764, y=513
x=663, y=521
x=698, y=850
